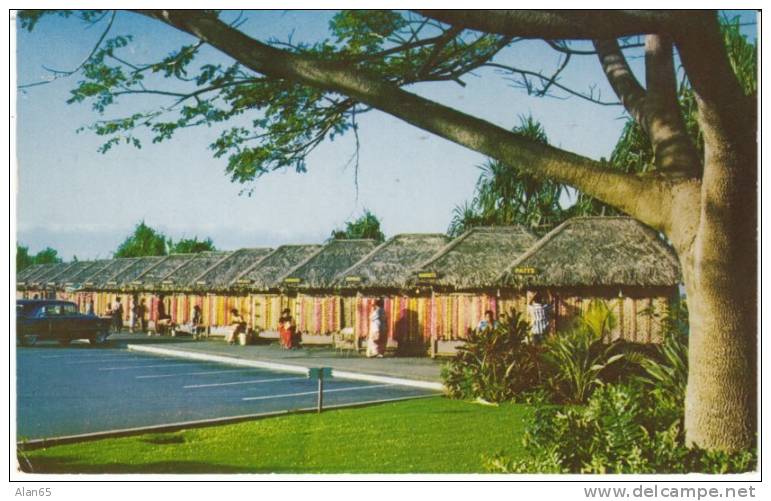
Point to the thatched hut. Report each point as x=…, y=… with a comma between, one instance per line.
x=261, y=282
x=27, y=277
x=37, y=283
x=386, y=272
x=124, y=285
x=617, y=259
x=217, y=281
x=318, y=308
x=93, y=282
x=463, y=277
x=179, y=288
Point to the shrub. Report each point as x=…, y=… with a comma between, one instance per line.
x=616, y=432
x=633, y=427
x=495, y=364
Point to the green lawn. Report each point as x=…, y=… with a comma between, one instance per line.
x=432, y=435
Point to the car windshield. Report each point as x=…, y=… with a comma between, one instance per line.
x=26, y=310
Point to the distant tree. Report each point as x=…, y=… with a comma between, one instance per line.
x=366, y=226
x=23, y=259
x=145, y=241
x=191, y=246
x=47, y=256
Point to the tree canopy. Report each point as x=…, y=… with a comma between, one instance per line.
x=144, y=241
x=191, y=246
x=24, y=259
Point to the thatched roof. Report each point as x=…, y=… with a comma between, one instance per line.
x=29, y=271
x=475, y=259
x=184, y=277
x=113, y=268
x=48, y=274
x=263, y=276
x=392, y=264
x=27, y=275
x=596, y=251
x=152, y=277
x=125, y=278
x=319, y=269
x=69, y=276
x=78, y=279
x=220, y=277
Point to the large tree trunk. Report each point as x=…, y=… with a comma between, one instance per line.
x=720, y=403
x=720, y=274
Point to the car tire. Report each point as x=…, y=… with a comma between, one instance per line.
x=99, y=338
x=29, y=340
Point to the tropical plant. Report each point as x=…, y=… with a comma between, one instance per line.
x=509, y=194
x=578, y=357
x=365, y=226
x=495, y=364
x=666, y=375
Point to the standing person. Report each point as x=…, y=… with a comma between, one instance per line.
x=90, y=308
x=117, y=315
x=377, y=327
x=139, y=315
x=196, y=322
x=286, y=329
x=163, y=324
x=538, y=311
x=489, y=322
x=237, y=324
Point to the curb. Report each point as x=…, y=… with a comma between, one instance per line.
x=41, y=443
x=297, y=369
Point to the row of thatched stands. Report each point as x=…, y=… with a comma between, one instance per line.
x=435, y=289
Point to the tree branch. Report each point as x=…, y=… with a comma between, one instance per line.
x=656, y=110
x=645, y=198
x=560, y=24
x=724, y=110
x=620, y=77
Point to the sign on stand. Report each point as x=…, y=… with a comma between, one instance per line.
x=320, y=374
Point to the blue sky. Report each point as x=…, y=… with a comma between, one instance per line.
x=84, y=203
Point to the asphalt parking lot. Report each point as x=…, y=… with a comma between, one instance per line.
x=82, y=389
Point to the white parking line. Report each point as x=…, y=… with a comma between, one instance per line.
x=286, y=395
x=103, y=360
x=248, y=381
x=199, y=373
x=84, y=355
x=127, y=367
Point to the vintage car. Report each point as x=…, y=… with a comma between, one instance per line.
x=46, y=319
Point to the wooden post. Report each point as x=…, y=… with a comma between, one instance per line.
x=320, y=403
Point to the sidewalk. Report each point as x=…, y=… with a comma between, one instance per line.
x=414, y=368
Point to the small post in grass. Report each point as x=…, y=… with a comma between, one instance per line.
x=320, y=373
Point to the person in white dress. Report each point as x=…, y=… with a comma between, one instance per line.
x=377, y=327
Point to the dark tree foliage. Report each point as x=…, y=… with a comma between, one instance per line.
x=23, y=259
x=191, y=246
x=47, y=256
x=145, y=241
